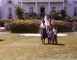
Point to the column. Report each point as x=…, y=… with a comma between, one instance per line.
x=21, y=4
x=48, y=7
x=2, y=10
x=63, y=4
x=36, y=6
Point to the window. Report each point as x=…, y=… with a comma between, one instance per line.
x=31, y=9
x=66, y=1
x=65, y=8
x=53, y=8
x=75, y=11
x=9, y=1
x=10, y=12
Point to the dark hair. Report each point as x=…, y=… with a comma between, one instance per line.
x=43, y=21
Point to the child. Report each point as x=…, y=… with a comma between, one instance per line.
x=49, y=36
x=55, y=35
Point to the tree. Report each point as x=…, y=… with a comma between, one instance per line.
x=31, y=16
x=54, y=15
x=19, y=11
x=63, y=14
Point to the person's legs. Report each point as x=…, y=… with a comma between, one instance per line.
x=44, y=41
x=55, y=39
x=48, y=40
x=51, y=40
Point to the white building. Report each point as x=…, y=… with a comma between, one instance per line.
x=7, y=7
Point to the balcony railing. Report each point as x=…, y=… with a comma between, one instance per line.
x=41, y=0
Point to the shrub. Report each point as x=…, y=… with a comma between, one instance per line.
x=6, y=21
x=31, y=16
x=67, y=18
x=63, y=26
x=19, y=11
x=28, y=26
x=1, y=23
x=23, y=26
x=63, y=14
x=73, y=19
x=54, y=15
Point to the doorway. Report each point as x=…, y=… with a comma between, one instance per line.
x=42, y=9
x=42, y=12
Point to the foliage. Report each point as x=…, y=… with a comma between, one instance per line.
x=31, y=16
x=23, y=26
x=11, y=19
x=6, y=21
x=63, y=26
x=54, y=15
x=31, y=26
x=1, y=23
x=74, y=19
x=63, y=14
x=19, y=11
x=59, y=15
x=67, y=18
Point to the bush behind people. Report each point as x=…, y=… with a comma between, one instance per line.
x=31, y=26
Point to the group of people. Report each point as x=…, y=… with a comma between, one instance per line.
x=48, y=31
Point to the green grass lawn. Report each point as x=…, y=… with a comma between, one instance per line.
x=16, y=47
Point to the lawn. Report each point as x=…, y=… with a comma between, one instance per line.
x=16, y=47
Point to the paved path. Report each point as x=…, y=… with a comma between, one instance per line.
x=2, y=30
x=59, y=34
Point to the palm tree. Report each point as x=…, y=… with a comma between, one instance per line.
x=19, y=11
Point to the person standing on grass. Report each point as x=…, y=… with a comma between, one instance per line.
x=50, y=26
x=55, y=35
x=43, y=31
x=49, y=36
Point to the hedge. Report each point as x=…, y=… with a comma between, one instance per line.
x=27, y=26
x=6, y=21
x=63, y=26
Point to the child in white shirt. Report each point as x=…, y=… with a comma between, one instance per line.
x=55, y=35
x=49, y=36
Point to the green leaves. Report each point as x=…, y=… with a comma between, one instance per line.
x=25, y=26
x=19, y=11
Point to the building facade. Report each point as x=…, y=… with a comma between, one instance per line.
x=7, y=7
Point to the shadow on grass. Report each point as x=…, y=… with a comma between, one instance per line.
x=60, y=44
x=1, y=40
x=55, y=44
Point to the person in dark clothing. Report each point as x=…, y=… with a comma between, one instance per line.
x=43, y=31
